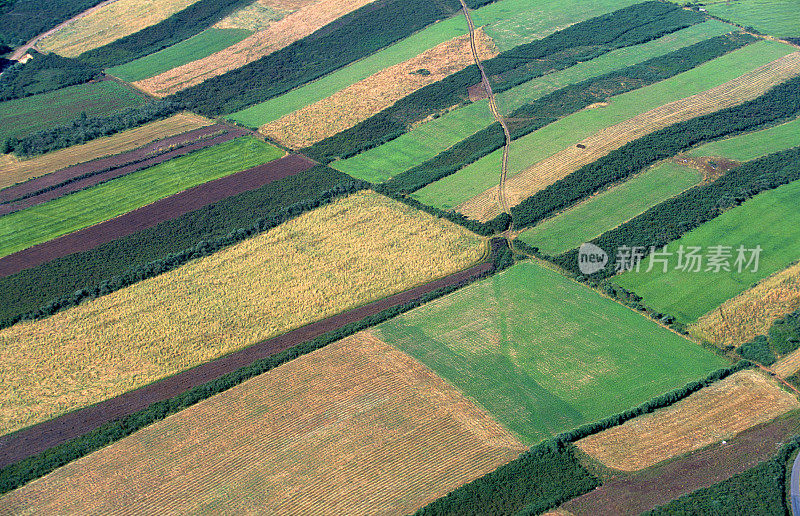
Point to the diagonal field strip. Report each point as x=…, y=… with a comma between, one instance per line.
x=737, y=91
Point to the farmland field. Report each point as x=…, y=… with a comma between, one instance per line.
x=354, y=428
x=715, y=413
x=688, y=295
x=259, y=14
x=529, y=150
x=753, y=145
x=22, y=117
x=610, y=208
x=197, y=47
x=110, y=23
x=353, y=251
x=15, y=170
x=429, y=139
x=66, y=214
x=773, y=17
x=543, y=354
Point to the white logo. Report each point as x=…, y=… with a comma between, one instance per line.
x=591, y=259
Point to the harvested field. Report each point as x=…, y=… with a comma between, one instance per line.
x=260, y=14
x=297, y=25
x=356, y=250
x=740, y=319
x=788, y=365
x=354, y=428
x=16, y=171
x=485, y=206
x=108, y=24
x=641, y=491
x=358, y=102
x=154, y=213
x=715, y=413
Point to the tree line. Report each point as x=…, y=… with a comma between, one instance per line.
x=782, y=338
x=43, y=73
x=22, y=20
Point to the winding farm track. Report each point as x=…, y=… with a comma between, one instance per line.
x=36, y=439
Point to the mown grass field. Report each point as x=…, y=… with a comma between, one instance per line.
x=746, y=147
x=353, y=251
x=22, y=117
x=476, y=178
x=72, y=212
x=354, y=428
x=110, y=23
x=429, y=139
x=715, y=413
x=543, y=354
x=773, y=17
x=15, y=170
x=197, y=47
x=611, y=208
x=770, y=220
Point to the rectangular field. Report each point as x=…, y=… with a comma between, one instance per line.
x=770, y=220
x=611, y=208
x=70, y=213
x=25, y=116
x=717, y=412
x=356, y=250
x=544, y=354
x=753, y=145
x=774, y=17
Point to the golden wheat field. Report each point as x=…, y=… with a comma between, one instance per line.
x=486, y=206
x=365, y=98
x=15, y=170
x=306, y=20
x=358, y=249
x=788, y=365
x=260, y=14
x=110, y=23
x=356, y=427
x=710, y=415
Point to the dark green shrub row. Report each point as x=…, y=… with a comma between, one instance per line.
x=564, y=102
x=178, y=27
x=758, y=350
x=581, y=42
x=672, y=218
x=43, y=73
x=783, y=337
x=779, y=103
x=64, y=282
x=22, y=20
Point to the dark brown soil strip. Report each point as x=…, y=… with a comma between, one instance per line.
x=58, y=177
x=150, y=215
x=95, y=179
x=645, y=490
x=39, y=438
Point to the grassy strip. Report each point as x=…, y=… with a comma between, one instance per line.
x=756, y=144
x=43, y=73
x=178, y=27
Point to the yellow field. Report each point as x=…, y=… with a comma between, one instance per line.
x=15, y=170
x=340, y=256
x=710, y=415
x=486, y=206
x=313, y=16
x=365, y=98
x=110, y=23
x=354, y=428
x=260, y=14
x=788, y=365
x=753, y=311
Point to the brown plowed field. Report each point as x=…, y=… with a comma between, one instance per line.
x=749, y=86
x=315, y=15
x=354, y=428
x=150, y=215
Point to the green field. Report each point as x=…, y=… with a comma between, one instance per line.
x=81, y=209
x=774, y=17
x=429, y=139
x=544, y=354
x=197, y=47
x=528, y=150
x=753, y=145
x=770, y=220
x=21, y=117
x=610, y=208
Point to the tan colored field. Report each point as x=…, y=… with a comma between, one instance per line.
x=15, y=170
x=314, y=15
x=486, y=206
x=110, y=23
x=260, y=14
x=788, y=365
x=753, y=311
x=354, y=428
x=356, y=250
x=710, y=415
x=348, y=107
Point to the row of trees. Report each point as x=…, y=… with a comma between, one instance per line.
x=22, y=20
x=43, y=73
x=783, y=337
